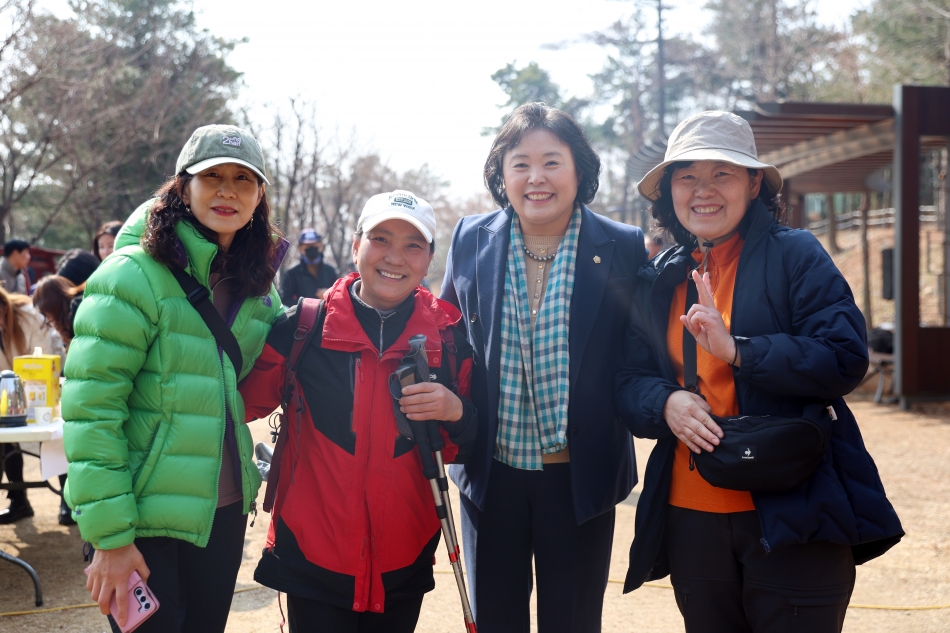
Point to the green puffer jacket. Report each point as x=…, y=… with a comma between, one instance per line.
x=145, y=395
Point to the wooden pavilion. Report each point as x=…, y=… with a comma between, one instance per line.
x=841, y=147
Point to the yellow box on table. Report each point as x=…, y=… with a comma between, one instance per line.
x=39, y=374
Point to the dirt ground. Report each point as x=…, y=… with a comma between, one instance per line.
x=912, y=451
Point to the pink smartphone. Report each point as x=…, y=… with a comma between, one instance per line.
x=142, y=604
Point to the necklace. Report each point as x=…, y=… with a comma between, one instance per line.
x=537, y=258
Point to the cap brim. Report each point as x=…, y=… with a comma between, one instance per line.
x=649, y=186
x=197, y=168
x=377, y=219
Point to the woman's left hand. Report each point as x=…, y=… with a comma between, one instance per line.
x=430, y=401
x=705, y=323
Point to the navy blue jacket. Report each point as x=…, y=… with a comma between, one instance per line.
x=603, y=470
x=801, y=340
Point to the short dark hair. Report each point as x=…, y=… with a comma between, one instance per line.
x=664, y=216
x=14, y=246
x=540, y=116
x=77, y=265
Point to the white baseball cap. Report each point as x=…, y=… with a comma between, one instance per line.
x=398, y=205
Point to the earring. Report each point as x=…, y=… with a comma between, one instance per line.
x=250, y=224
x=187, y=209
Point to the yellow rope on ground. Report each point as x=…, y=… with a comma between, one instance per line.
x=96, y=604
x=879, y=607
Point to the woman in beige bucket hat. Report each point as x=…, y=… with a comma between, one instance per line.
x=773, y=330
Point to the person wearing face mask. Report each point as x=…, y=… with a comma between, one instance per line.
x=313, y=276
x=745, y=317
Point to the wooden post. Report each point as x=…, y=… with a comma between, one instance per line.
x=832, y=225
x=865, y=263
x=906, y=243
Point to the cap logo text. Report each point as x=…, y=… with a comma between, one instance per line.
x=232, y=140
x=403, y=201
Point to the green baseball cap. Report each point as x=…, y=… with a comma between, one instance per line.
x=212, y=145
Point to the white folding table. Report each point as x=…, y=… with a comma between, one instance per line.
x=52, y=464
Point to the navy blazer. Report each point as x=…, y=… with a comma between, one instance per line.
x=802, y=340
x=603, y=467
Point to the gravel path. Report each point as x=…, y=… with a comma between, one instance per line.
x=912, y=450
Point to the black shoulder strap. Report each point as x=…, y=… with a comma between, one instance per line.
x=690, y=379
x=448, y=342
x=310, y=314
x=200, y=299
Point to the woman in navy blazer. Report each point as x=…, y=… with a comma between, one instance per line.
x=542, y=171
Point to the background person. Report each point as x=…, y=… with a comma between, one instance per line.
x=22, y=329
x=354, y=529
x=76, y=266
x=57, y=299
x=13, y=267
x=161, y=479
x=545, y=287
x=104, y=241
x=776, y=329
x=313, y=276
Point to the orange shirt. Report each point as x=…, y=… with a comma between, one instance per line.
x=688, y=489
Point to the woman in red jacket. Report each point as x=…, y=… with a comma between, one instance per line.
x=354, y=526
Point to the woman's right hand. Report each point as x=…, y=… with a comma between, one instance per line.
x=687, y=415
x=109, y=574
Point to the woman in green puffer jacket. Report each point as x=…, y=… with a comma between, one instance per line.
x=161, y=479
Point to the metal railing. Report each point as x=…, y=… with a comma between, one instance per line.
x=876, y=217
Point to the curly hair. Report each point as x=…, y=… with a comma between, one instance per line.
x=664, y=216
x=540, y=116
x=251, y=257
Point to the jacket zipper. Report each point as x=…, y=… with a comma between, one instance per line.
x=382, y=323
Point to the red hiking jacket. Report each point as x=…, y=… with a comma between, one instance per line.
x=354, y=522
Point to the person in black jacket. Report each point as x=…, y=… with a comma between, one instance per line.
x=313, y=276
x=776, y=329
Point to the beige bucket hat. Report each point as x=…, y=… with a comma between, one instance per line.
x=711, y=135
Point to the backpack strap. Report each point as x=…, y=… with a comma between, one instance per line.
x=448, y=340
x=308, y=313
x=690, y=379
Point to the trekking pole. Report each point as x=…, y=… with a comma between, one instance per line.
x=428, y=438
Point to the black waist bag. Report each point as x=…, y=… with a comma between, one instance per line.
x=758, y=453
x=767, y=453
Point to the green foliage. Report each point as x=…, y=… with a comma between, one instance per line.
x=768, y=50
x=531, y=84
x=904, y=41
x=107, y=98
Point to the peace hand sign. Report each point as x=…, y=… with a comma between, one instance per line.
x=705, y=323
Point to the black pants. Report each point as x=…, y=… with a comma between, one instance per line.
x=194, y=585
x=13, y=467
x=531, y=512
x=312, y=616
x=725, y=582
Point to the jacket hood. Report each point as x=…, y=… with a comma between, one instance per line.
x=197, y=252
